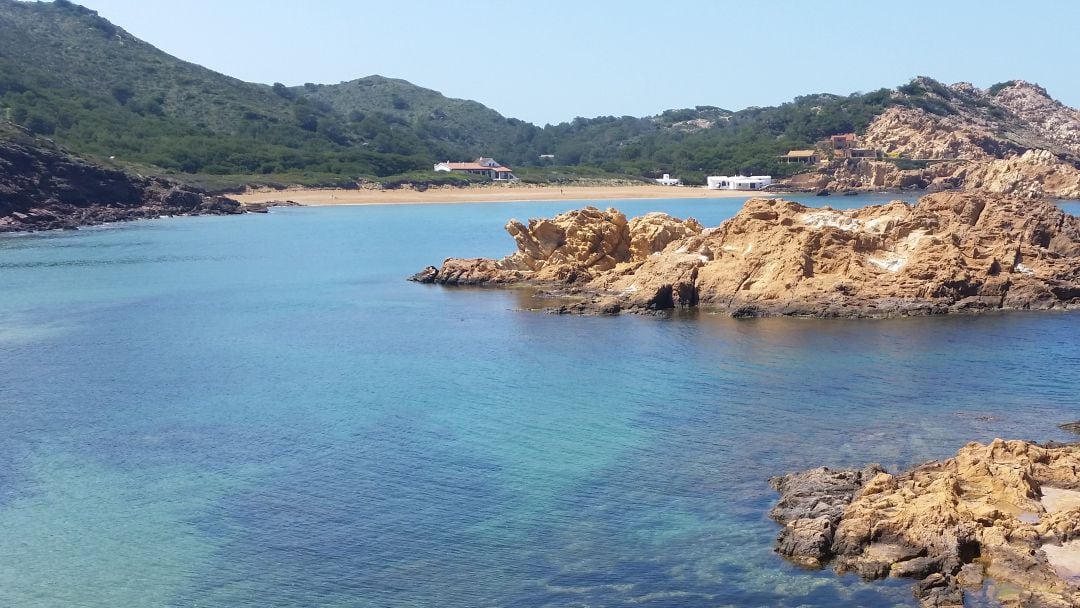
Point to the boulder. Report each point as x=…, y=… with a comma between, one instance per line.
x=810, y=506
x=572, y=247
x=948, y=523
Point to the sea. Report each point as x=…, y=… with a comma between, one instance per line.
x=260, y=411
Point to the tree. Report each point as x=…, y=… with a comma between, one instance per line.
x=283, y=91
x=306, y=118
x=122, y=93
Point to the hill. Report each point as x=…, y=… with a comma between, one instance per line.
x=389, y=111
x=1011, y=138
x=45, y=187
x=71, y=76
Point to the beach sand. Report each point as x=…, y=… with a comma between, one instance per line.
x=483, y=194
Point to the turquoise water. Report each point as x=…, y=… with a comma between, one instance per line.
x=260, y=411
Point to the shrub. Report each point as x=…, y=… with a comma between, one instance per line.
x=122, y=93
x=999, y=87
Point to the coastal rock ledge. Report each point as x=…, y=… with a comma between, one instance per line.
x=950, y=252
x=1008, y=511
x=43, y=188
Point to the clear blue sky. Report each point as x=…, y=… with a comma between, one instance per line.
x=551, y=60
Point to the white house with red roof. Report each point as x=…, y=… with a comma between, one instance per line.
x=481, y=166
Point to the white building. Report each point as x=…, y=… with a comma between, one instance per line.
x=667, y=180
x=738, y=182
x=482, y=166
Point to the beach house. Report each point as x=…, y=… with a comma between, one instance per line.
x=667, y=180
x=842, y=144
x=482, y=166
x=799, y=156
x=738, y=182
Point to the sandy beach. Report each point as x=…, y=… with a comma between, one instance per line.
x=482, y=194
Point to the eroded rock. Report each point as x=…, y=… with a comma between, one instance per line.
x=810, y=506
x=947, y=524
x=570, y=248
x=951, y=252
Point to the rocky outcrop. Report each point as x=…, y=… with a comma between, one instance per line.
x=1041, y=114
x=266, y=206
x=811, y=504
x=951, y=252
x=1013, y=139
x=916, y=133
x=960, y=122
x=570, y=248
x=1034, y=174
x=1006, y=510
x=885, y=175
x=44, y=189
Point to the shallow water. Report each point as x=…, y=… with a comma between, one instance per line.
x=260, y=411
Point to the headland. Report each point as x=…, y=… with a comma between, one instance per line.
x=950, y=252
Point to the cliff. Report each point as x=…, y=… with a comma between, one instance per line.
x=950, y=252
x=962, y=122
x=1008, y=511
x=1011, y=139
x=1032, y=174
x=42, y=188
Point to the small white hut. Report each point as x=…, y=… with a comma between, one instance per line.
x=738, y=182
x=667, y=180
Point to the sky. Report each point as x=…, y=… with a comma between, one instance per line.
x=548, y=61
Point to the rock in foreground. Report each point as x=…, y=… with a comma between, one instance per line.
x=950, y=252
x=946, y=524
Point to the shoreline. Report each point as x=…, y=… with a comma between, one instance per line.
x=311, y=197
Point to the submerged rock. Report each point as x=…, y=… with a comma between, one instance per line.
x=947, y=524
x=951, y=252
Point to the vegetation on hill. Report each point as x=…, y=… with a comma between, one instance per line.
x=705, y=140
x=394, y=112
x=70, y=75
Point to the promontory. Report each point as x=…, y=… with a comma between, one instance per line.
x=949, y=252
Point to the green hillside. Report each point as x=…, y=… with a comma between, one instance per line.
x=446, y=128
x=72, y=76
x=68, y=74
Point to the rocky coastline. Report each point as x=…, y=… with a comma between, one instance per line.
x=1008, y=511
x=1031, y=174
x=1012, y=139
x=48, y=189
x=950, y=252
